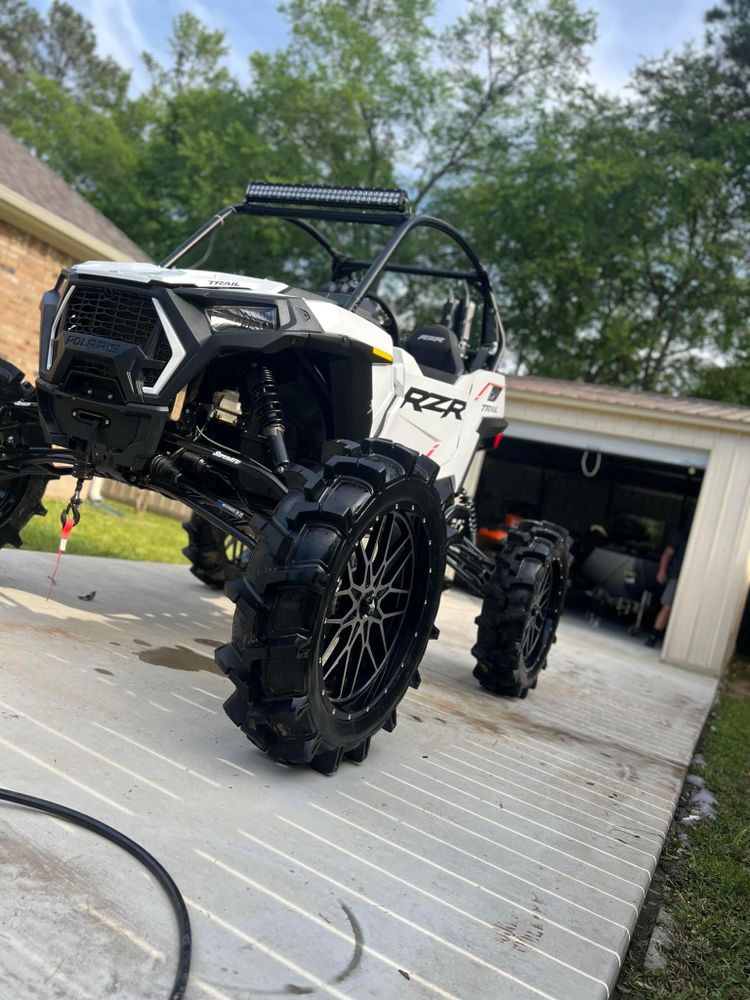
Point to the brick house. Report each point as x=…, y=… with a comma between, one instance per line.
x=44, y=226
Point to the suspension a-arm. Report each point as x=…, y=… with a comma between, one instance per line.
x=225, y=489
x=23, y=448
x=51, y=463
x=472, y=567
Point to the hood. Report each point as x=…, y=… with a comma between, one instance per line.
x=152, y=274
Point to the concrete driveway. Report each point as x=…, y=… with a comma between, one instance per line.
x=487, y=848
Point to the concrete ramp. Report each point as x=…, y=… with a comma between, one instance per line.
x=488, y=848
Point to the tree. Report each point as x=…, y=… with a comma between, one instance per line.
x=616, y=229
x=729, y=38
x=61, y=47
x=366, y=92
x=618, y=237
x=729, y=383
x=20, y=30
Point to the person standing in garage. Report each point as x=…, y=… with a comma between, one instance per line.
x=670, y=565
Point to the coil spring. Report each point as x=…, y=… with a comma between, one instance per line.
x=265, y=399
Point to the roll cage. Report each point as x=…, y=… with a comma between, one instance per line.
x=303, y=204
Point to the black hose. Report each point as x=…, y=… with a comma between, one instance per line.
x=140, y=854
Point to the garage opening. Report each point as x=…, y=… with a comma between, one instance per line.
x=622, y=511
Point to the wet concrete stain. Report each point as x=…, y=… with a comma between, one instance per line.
x=65, y=633
x=141, y=642
x=178, y=658
x=101, y=670
x=566, y=737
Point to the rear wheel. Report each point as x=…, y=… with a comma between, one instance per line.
x=337, y=605
x=522, y=608
x=216, y=558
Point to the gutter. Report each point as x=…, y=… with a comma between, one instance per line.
x=626, y=410
x=53, y=230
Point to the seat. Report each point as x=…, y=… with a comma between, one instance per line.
x=435, y=349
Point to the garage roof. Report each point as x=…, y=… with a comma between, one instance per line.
x=24, y=174
x=609, y=395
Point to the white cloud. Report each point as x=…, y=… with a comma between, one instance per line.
x=118, y=34
x=631, y=30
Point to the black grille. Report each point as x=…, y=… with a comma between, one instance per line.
x=114, y=314
x=100, y=369
x=149, y=376
x=97, y=379
x=122, y=315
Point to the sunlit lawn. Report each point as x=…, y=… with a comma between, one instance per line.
x=708, y=885
x=114, y=530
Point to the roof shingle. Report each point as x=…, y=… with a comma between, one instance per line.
x=24, y=174
x=588, y=392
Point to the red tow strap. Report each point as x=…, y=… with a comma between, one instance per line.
x=68, y=525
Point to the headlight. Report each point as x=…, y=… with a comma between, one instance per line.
x=226, y=318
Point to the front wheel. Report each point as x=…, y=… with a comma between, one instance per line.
x=336, y=606
x=522, y=608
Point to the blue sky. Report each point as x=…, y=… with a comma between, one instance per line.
x=628, y=29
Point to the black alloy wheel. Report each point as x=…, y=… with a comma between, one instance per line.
x=236, y=552
x=337, y=605
x=522, y=608
x=372, y=613
x=541, y=618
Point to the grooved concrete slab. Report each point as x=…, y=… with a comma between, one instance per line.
x=487, y=848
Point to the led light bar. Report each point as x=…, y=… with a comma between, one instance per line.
x=330, y=195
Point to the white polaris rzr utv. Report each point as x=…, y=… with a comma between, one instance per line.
x=328, y=445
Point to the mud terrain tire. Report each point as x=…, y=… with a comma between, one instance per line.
x=337, y=605
x=20, y=500
x=20, y=497
x=214, y=557
x=522, y=608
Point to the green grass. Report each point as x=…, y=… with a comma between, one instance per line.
x=707, y=886
x=152, y=537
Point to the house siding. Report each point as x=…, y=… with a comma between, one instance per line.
x=28, y=267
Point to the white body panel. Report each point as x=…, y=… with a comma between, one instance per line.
x=336, y=320
x=153, y=274
x=437, y=418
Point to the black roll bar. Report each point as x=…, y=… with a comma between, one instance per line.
x=401, y=221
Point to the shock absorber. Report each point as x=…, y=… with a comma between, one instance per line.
x=266, y=403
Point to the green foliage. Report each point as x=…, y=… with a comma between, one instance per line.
x=96, y=153
x=729, y=35
x=616, y=229
x=60, y=46
x=730, y=383
x=707, y=889
x=20, y=28
x=620, y=249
